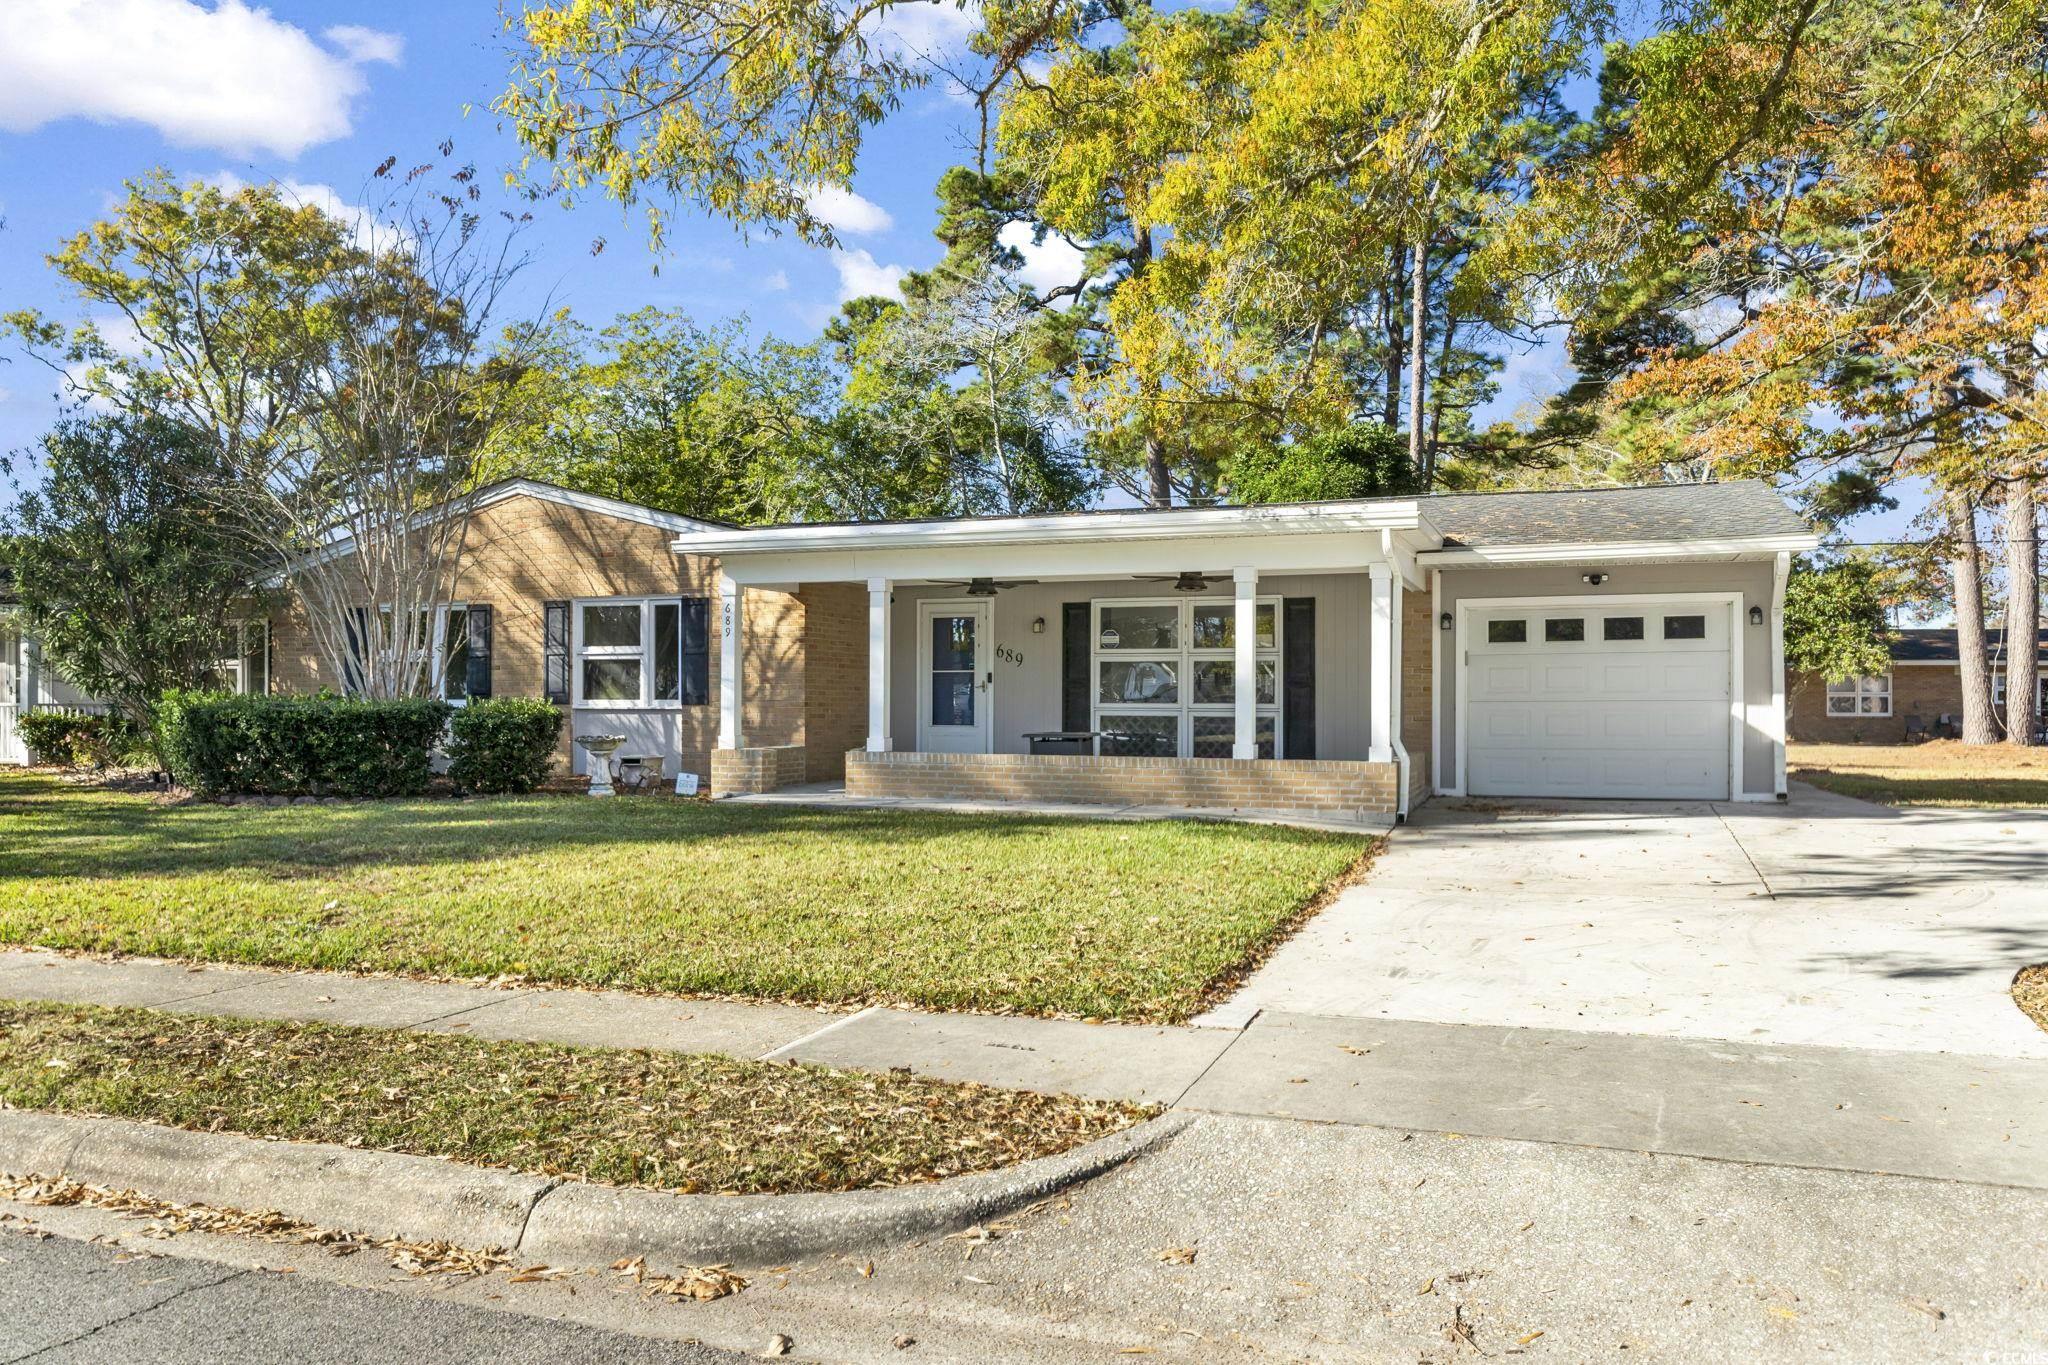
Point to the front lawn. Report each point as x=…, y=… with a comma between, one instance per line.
x=1014, y=913
x=673, y=1121
x=1939, y=772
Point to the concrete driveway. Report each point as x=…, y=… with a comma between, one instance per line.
x=1823, y=921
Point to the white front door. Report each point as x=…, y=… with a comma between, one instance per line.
x=1599, y=698
x=11, y=747
x=954, y=698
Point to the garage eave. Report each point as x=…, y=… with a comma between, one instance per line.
x=1746, y=547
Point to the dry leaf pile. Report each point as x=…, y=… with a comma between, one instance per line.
x=167, y=1219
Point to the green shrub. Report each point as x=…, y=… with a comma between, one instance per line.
x=57, y=736
x=300, y=746
x=504, y=744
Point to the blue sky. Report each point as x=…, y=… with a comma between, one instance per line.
x=93, y=92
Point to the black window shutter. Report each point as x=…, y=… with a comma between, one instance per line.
x=352, y=674
x=1298, y=676
x=696, y=651
x=555, y=652
x=479, y=681
x=1074, y=685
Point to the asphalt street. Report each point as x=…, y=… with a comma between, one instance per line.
x=70, y=1301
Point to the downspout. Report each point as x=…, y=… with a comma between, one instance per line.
x=1781, y=569
x=1394, y=687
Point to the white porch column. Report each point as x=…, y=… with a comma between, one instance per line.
x=1246, y=744
x=731, y=682
x=1382, y=665
x=878, y=666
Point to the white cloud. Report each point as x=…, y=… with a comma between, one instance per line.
x=860, y=274
x=938, y=29
x=365, y=45
x=228, y=77
x=1047, y=264
x=844, y=211
x=776, y=283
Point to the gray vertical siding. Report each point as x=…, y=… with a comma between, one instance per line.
x=1751, y=578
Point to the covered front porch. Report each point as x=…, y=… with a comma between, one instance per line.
x=1227, y=660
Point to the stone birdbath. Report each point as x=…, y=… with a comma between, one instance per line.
x=601, y=748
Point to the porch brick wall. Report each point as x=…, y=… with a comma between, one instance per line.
x=1418, y=632
x=738, y=772
x=1328, y=785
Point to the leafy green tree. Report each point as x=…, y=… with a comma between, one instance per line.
x=655, y=409
x=123, y=567
x=1835, y=623
x=1365, y=460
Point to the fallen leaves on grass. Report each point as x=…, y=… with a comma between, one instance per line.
x=168, y=1219
x=681, y=1122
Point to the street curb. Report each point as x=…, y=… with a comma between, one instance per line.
x=389, y=1194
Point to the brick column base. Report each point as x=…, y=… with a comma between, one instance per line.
x=738, y=772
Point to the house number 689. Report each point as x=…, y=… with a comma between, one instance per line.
x=1007, y=655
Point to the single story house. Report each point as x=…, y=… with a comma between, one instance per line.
x=1922, y=690
x=1352, y=656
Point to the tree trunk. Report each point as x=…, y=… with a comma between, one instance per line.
x=1158, y=476
x=1393, y=298
x=2022, y=616
x=1418, y=359
x=1979, y=724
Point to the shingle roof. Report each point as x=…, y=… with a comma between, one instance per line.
x=1677, y=511
x=1939, y=646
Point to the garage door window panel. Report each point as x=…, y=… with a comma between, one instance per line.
x=1564, y=630
x=1507, y=632
x=1622, y=628
x=1685, y=627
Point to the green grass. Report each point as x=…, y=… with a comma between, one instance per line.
x=1009, y=913
x=716, y=1125
x=1932, y=773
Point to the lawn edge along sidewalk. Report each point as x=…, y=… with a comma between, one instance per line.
x=565, y=1222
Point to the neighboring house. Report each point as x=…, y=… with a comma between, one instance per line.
x=1921, y=694
x=27, y=681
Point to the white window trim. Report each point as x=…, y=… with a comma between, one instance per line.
x=1184, y=658
x=1998, y=685
x=1854, y=690
x=578, y=652
x=233, y=667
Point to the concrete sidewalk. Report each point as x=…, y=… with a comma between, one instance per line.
x=1971, y=1118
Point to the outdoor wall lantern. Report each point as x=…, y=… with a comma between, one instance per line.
x=1038, y=626
x=1443, y=622
x=1756, y=616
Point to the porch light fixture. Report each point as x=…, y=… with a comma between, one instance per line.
x=1756, y=615
x=1595, y=579
x=1038, y=626
x=1443, y=622
x=982, y=587
x=1191, y=582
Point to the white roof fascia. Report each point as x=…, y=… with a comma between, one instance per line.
x=1580, y=552
x=1177, y=524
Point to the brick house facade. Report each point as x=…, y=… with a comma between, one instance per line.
x=529, y=545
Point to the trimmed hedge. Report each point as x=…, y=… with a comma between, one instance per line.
x=320, y=745
x=96, y=740
x=503, y=744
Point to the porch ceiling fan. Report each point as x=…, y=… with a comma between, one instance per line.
x=983, y=587
x=1187, y=582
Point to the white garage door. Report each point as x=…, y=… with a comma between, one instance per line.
x=1619, y=699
